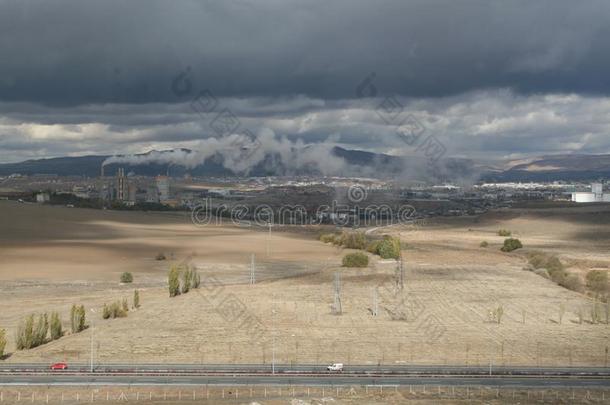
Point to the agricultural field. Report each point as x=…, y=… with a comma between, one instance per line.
x=445, y=311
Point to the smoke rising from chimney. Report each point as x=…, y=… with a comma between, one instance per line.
x=240, y=154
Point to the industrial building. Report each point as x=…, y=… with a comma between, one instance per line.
x=595, y=195
x=163, y=188
x=121, y=185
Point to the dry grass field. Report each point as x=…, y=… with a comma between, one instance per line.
x=52, y=257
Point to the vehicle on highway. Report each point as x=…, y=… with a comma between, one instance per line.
x=335, y=367
x=59, y=366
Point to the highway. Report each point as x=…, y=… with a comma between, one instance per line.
x=217, y=374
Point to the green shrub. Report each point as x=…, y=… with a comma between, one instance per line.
x=572, y=282
x=186, y=280
x=483, y=244
x=373, y=247
x=328, y=237
x=511, y=244
x=553, y=264
x=136, y=299
x=389, y=248
x=541, y=260
x=126, y=277
x=537, y=259
x=196, y=279
x=357, y=259
x=353, y=240
x=504, y=232
x=114, y=310
x=55, y=326
x=597, y=280
x=2, y=342
x=173, y=281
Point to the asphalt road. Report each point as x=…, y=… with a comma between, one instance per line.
x=217, y=374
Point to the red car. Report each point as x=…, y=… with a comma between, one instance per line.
x=59, y=366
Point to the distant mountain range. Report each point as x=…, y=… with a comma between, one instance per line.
x=546, y=168
x=573, y=167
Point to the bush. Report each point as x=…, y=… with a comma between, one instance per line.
x=114, y=310
x=554, y=265
x=2, y=342
x=373, y=247
x=77, y=318
x=126, y=277
x=353, y=240
x=160, y=256
x=504, y=232
x=542, y=272
x=572, y=282
x=186, y=280
x=511, y=244
x=357, y=259
x=328, y=237
x=55, y=326
x=551, y=264
x=389, y=248
x=597, y=280
x=196, y=279
x=483, y=244
x=136, y=299
x=173, y=281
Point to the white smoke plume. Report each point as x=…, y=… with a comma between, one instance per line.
x=240, y=154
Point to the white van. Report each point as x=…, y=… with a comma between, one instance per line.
x=335, y=367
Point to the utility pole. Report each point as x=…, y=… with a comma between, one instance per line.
x=375, y=308
x=269, y=239
x=92, y=328
x=401, y=274
x=273, y=336
x=252, y=270
x=337, y=287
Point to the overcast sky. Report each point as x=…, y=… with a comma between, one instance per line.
x=489, y=79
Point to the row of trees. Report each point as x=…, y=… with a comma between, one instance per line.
x=388, y=247
x=120, y=308
x=117, y=309
x=181, y=279
x=549, y=266
x=33, y=331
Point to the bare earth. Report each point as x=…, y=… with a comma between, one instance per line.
x=53, y=257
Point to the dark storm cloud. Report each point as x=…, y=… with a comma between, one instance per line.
x=76, y=52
